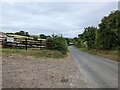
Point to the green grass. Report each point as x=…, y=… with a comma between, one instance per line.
x=36, y=53
x=110, y=54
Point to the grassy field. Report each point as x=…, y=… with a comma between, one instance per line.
x=110, y=54
x=36, y=53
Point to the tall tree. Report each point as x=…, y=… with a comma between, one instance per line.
x=89, y=36
x=108, y=34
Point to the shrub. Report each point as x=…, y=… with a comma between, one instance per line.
x=57, y=43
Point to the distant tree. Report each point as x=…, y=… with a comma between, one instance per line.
x=89, y=36
x=76, y=41
x=68, y=40
x=48, y=36
x=43, y=36
x=9, y=33
x=82, y=41
x=27, y=34
x=22, y=33
x=35, y=38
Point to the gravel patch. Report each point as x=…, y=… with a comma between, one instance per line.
x=27, y=72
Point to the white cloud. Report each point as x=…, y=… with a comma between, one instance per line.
x=12, y=1
x=63, y=17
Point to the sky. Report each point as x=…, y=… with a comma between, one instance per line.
x=66, y=18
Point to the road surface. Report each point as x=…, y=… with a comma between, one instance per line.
x=98, y=72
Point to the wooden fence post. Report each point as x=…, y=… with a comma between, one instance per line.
x=10, y=45
x=40, y=43
x=26, y=44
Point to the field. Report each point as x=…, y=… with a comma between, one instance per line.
x=33, y=52
x=110, y=54
x=36, y=68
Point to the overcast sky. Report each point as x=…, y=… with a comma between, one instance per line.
x=65, y=18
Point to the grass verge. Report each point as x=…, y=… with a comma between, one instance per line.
x=110, y=54
x=36, y=53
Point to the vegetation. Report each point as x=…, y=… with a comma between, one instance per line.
x=88, y=37
x=43, y=36
x=36, y=53
x=53, y=46
x=110, y=54
x=57, y=43
x=68, y=40
x=108, y=34
x=22, y=33
x=104, y=38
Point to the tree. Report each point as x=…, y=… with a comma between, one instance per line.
x=76, y=41
x=22, y=33
x=43, y=36
x=68, y=40
x=87, y=37
x=57, y=43
x=108, y=34
x=82, y=42
x=35, y=38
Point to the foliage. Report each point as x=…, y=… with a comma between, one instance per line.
x=108, y=34
x=105, y=37
x=76, y=42
x=68, y=40
x=35, y=38
x=57, y=43
x=43, y=36
x=22, y=33
x=35, y=52
x=110, y=54
x=89, y=36
x=9, y=33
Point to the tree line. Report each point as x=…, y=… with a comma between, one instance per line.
x=35, y=37
x=105, y=37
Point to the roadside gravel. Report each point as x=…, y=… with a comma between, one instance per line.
x=28, y=72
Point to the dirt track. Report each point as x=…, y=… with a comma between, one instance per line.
x=21, y=72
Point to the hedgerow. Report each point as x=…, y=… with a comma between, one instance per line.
x=57, y=43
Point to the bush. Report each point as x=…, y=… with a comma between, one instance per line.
x=57, y=43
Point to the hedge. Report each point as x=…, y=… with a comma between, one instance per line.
x=57, y=43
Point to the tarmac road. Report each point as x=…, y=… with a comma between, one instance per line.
x=98, y=72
